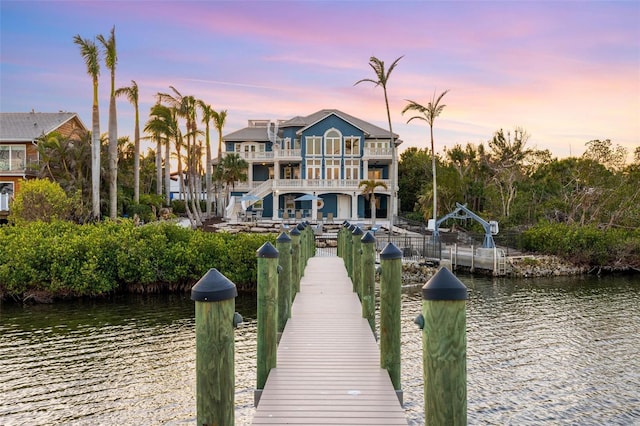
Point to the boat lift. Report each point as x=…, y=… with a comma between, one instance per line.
x=462, y=212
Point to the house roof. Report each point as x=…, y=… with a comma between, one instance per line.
x=369, y=129
x=28, y=126
x=260, y=134
x=256, y=134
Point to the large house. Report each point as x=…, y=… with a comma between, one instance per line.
x=311, y=167
x=19, y=134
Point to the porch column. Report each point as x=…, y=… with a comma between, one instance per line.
x=365, y=169
x=314, y=209
x=354, y=206
x=276, y=205
x=250, y=175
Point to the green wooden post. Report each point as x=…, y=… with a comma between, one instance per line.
x=303, y=248
x=368, y=290
x=444, y=350
x=390, y=306
x=295, y=261
x=283, y=245
x=267, y=314
x=348, y=249
x=215, y=296
x=357, y=262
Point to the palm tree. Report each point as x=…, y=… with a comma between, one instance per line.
x=163, y=126
x=111, y=59
x=90, y=53
x=382, y=80
x=219, y=119
x=429, y=114
x=369, y=190
x=207, y=113
x=185, y=106
x=234, y=169
x=131, y=92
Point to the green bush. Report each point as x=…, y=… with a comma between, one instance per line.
x=96, y=259
x=585, y=244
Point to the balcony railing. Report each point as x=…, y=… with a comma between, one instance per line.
x=4, y=202
x=378, y=153
x=281, y=154
x=312, y=185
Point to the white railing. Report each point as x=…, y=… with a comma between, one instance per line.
x=378, y=152
x=280, y=154
x=311, y=184
x=4, y=202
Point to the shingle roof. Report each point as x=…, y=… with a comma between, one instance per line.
x=28, y=126
x=254, y=134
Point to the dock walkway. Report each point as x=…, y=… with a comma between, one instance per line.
x=328, y=362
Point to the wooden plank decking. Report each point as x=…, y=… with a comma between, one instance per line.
x=328, y=368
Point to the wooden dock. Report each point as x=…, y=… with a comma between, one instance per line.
x=328, y=362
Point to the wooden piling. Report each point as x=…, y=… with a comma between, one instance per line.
x=390, y=307
x=295, y=261
x=357, y=261
x=368, y=281
x=267, y=316
x=214, y=297
x=283, y=245
x=444, y=347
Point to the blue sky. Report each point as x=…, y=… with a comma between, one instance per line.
x=567, y=72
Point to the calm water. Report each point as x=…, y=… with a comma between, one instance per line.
x=562, y=351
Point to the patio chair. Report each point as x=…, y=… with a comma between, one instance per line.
x=330, y=217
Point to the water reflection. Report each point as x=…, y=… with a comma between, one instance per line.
x=544, y=351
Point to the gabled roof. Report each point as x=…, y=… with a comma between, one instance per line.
x=28, y=126
x=368, y=129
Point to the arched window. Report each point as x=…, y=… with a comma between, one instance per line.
x=332, y=143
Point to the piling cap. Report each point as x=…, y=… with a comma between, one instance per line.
x=295, y=232
x=301, y=226
x=345, y=224
x=368, y=238
x=358, y=231
x=268, y=251
x=213, y=287
x=283, y=238
x=444, y=286
x=351, y=228
x=390, y=251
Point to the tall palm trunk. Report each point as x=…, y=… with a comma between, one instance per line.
x=95, y=154
x=159, y=164
x=167, y=173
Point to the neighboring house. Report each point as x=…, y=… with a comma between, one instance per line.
x=19, y=134
x=323, y=156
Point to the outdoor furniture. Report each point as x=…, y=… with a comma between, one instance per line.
x=298, y=215
x=330, y=217
x=319, y=217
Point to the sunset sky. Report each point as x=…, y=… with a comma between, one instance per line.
x=567, y=72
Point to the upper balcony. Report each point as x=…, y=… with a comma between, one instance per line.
x=19, y=167
x=316, y=185
x=277, y=155
x=377, y=154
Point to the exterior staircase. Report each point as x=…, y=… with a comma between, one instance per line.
x=237, y=205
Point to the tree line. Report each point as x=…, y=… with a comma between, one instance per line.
x=164, y=127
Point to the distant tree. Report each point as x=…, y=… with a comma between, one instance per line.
x=132, y=95
x=90, y=53
x=111, y=60
x=605, y=153
x=382, y=79
x=369, y=191
x=40, y=200
x=206, y=119
x=429, y=113
x=219, y=119
x=233, y=169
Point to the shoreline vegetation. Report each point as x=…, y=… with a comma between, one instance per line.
x=41, y=262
